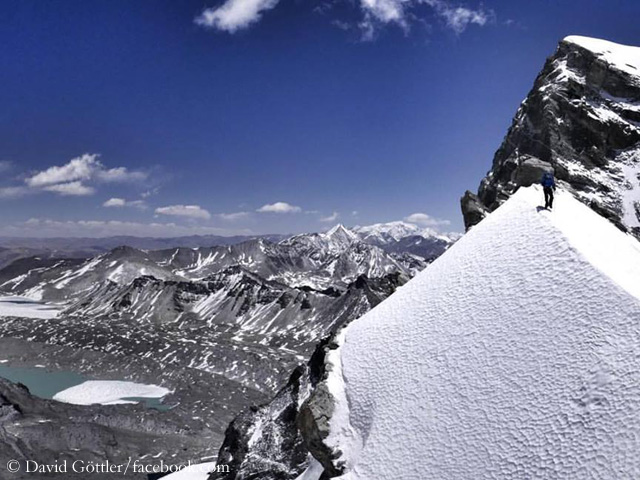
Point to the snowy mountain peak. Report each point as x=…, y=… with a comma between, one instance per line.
x=454, y=371
x=624, y=57
x=341, y=231
x=394, y=230
x=341, y=235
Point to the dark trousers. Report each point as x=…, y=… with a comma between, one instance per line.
x=548, y=197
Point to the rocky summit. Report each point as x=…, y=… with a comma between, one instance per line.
x=582, y=121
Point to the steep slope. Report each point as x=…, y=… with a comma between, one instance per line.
x=581, y=119
x=514, y=355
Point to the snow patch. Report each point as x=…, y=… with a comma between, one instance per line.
x=630, y=166
x=313, y=472
x=108, y=392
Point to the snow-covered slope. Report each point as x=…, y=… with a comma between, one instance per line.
x=514, y=355
x=622, y=57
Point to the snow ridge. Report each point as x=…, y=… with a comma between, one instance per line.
x=514, y=355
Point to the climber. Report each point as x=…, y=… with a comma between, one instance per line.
x=549, y=186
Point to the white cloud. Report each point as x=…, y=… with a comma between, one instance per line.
x=386, y=10
x=13, y=192
x=72, y=177
x=137, y=204
x=233, y=216
x=44, y=227
x=190, y=211
x=70, y=188
x=234, y=15
x=459, y=18
x=382, y=12
x=119, y=175
x=115, y=202
x=79, y=168
x=279, y=207
x=121, y=202
x=425, y=220
x=330, y=218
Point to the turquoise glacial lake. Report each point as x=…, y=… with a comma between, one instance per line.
x=45, y=383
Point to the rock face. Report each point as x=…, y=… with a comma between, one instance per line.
x=268, y=442
x=581, y=120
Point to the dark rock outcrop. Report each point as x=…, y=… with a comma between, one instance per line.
x=266, y=442
x=315, y=416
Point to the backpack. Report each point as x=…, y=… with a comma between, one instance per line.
x=547, y=180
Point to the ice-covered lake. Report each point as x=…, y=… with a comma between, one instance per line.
x=14, y=306
x=71, y=387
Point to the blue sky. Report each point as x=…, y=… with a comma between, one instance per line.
x=164, y=117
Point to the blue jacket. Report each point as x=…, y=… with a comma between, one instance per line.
x=547, y=180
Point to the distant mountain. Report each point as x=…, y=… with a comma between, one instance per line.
x=221, y=326
x=12, y=248
x=273, y=296
x=87, y=246
x=383, y=233
x=403, y=237
x=581, y=119
x=10, y=255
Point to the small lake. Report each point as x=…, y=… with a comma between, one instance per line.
x=45, y=383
